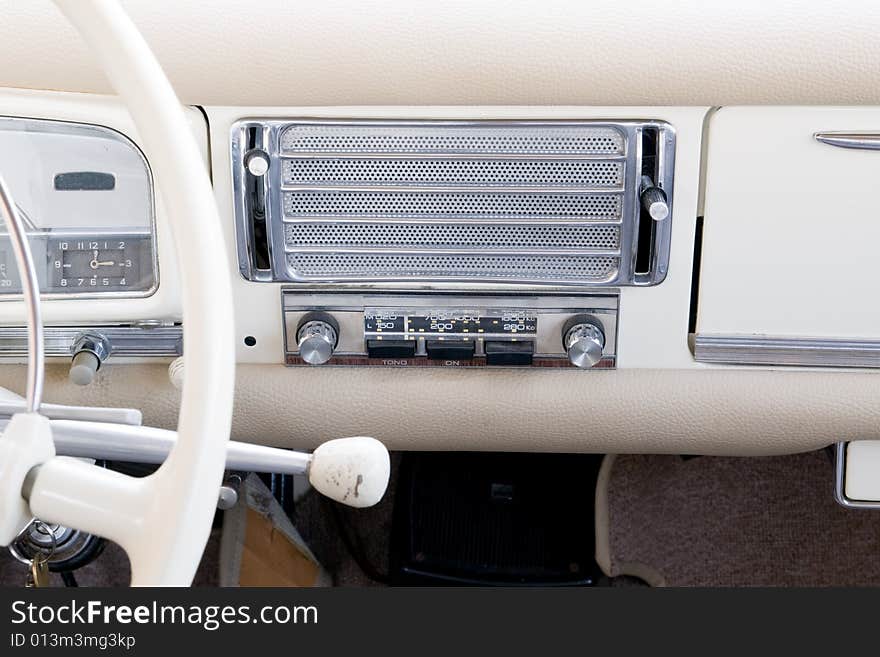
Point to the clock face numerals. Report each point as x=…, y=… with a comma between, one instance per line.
x=83, y=264
x=100, y=264
x=9, y=280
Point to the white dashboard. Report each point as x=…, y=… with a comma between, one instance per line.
x=768, y=344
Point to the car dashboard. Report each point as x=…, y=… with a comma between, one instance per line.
x=592, y=247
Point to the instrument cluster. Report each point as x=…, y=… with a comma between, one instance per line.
x=86, y=197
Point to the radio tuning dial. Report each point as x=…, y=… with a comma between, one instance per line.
x=584, y=341
x=317, y=336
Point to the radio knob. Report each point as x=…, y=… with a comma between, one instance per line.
x=584, y=342
x=316, y=339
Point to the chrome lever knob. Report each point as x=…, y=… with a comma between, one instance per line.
x=89, y=351
x=653, y=200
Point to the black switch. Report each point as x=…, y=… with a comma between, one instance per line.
x=509, y=353
x=450, y=349
x=391, y=348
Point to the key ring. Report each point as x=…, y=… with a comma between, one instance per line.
x=41, y=556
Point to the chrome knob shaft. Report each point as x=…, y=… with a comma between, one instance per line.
x=89, y=351
x=584, y=343
x=653, y=200
x=317, y=340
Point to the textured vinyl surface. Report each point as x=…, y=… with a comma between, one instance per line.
x=636, y=411
x=493, y=52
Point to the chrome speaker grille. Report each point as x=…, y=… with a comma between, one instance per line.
x=454, y=173
x=385, y=202
x=326, y=266
x=444, y=205
x=447, y=236
x=487, y=138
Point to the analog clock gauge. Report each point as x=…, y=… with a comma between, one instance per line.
x=120, y=263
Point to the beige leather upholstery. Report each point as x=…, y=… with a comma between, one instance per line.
x=641, y=411
x=417, y=52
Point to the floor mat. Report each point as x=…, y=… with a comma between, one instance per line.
x=718, y=521
x=492, y=519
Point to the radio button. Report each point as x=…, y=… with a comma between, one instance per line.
x=391, y=348
x=450, y=349
x=509, y=353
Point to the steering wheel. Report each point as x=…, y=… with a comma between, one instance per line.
x=162, y=521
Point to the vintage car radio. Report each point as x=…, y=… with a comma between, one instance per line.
x=454, y=330
x=440, y=204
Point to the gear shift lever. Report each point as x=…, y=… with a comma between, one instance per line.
x=353, y=471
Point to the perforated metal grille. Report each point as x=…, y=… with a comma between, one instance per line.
x=342, y=266
x=477, y=205
x=401, y=138
x=457, y=236
x=481, y=201
x=453, y=172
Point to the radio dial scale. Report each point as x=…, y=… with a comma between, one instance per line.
x=452, y=330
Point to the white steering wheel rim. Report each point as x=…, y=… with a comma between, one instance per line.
x=162, y=521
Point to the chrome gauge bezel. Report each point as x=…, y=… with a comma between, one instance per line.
x=40, y=238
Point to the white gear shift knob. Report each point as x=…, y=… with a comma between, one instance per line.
x=353, y=471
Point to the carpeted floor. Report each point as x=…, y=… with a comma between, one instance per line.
x=713, y=521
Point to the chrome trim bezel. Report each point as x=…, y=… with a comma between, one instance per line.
x=796, y=351
x=55, y=126
x=135, y=340
x=864, y=141
x=840, y=482
x=602, y=304
x=267, y=137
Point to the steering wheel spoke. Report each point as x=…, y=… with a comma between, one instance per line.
x=26, y=442
x=144, y=516
x=162, y=521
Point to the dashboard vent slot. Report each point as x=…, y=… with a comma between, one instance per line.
x=389, y=202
